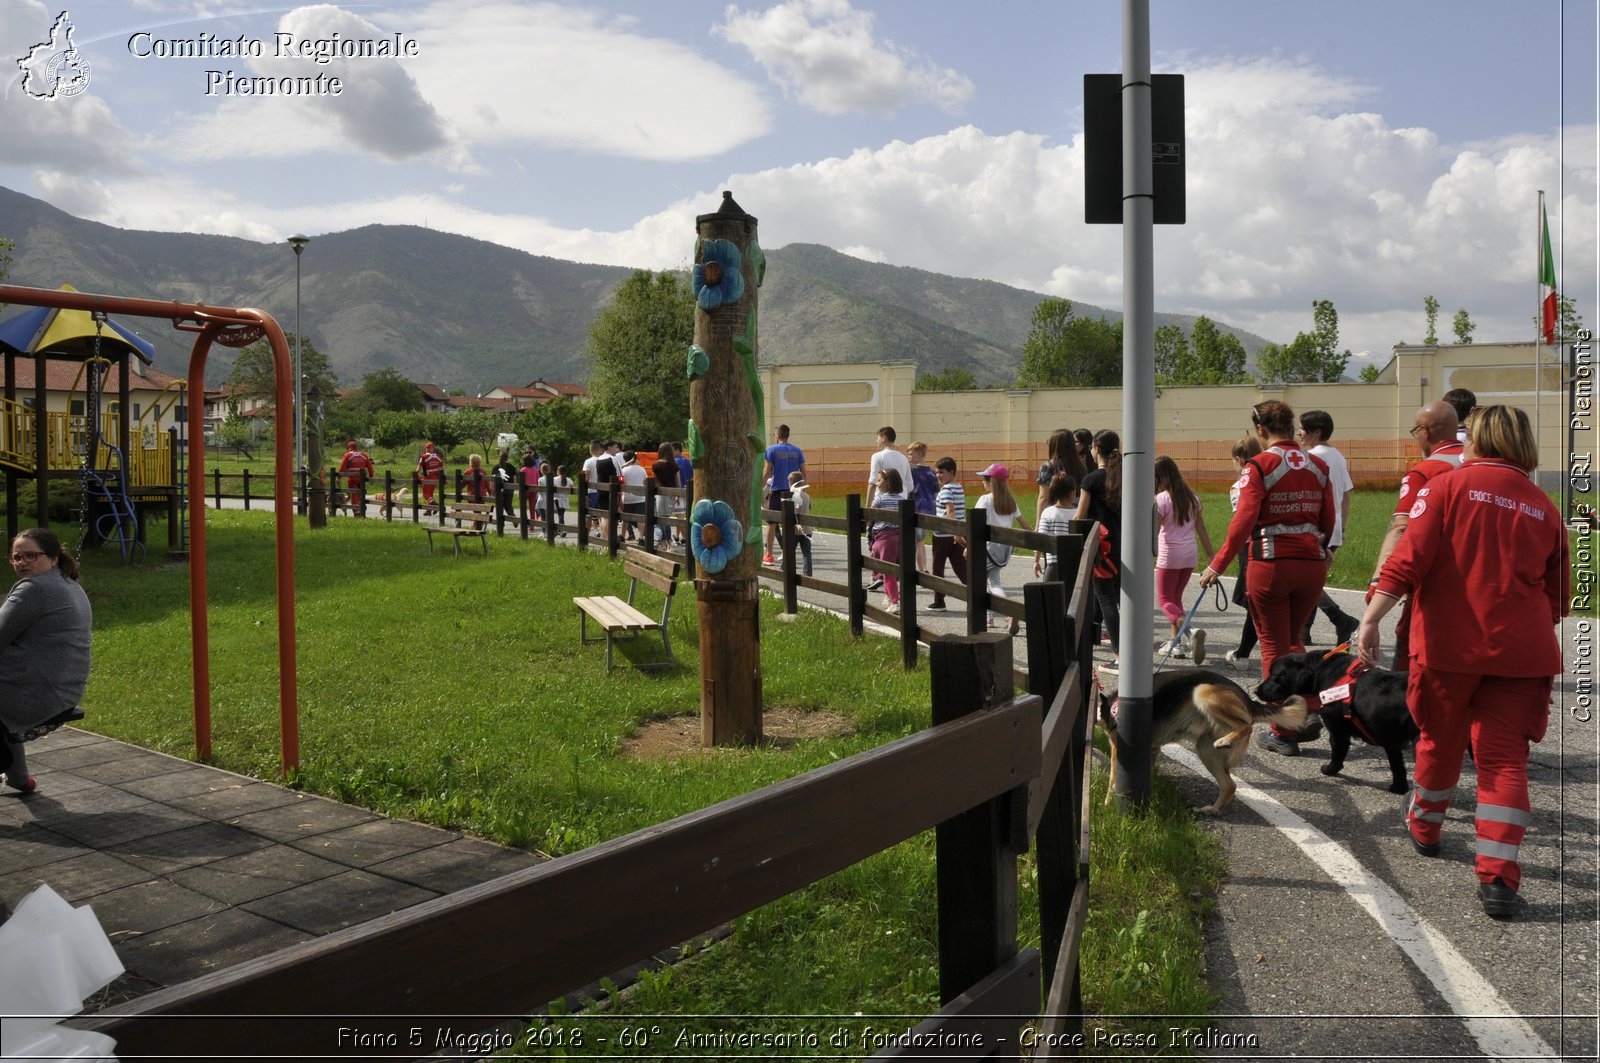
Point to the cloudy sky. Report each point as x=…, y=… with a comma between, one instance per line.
x=1367, y=152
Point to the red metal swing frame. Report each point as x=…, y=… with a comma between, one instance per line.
x=231, y=327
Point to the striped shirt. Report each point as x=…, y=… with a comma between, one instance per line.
x=950, y=495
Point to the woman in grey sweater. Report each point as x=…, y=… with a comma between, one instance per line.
x=44, y=644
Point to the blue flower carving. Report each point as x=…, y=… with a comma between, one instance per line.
x=715, y=534
x=719, y=275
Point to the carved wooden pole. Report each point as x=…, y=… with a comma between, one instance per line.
x=727, y=435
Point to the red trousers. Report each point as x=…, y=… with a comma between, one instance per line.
x=1283, y=597
x=1501, y=715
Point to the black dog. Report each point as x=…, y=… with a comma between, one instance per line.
x=1375, y=710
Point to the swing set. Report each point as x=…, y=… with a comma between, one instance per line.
x=105, y=469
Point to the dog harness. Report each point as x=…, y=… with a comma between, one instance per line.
x=1342, y=694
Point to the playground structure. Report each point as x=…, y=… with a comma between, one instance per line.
x=125, y=468
x=48, y=453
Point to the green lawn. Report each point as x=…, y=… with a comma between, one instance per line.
x=454, y=692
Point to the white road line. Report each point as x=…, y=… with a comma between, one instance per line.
x=1499, y=1030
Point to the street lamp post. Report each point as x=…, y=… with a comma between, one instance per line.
x=299, y=243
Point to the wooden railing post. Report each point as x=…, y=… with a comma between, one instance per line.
x=613, y=516
x=582, y=510
x=977, y=571
x=789, y=537
x=388, y=495
x=549, y=487
x=649, y=530
x=217, y=480
x=977, y=866
x=852, y=564
x=908, y=583
x=246, y=489
x=1053, y=643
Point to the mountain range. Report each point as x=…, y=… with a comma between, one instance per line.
x=459, y=312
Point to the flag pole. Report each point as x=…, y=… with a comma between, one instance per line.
x=1538, y=328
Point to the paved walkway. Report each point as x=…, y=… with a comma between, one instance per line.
x=191, y=868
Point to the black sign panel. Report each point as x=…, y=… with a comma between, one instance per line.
x=1102, y=148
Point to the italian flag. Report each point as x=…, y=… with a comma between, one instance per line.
x=1547, y=282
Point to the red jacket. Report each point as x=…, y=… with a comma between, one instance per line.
x=1286, y=508
x=1445, y=457
x=355, y=465
x=1485, y=558
x=429, y=465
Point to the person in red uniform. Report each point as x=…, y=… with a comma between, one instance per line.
x=1435, y=432
x=357, y=467
x=1484, y=558
x=1284, y=518
x=430, y=467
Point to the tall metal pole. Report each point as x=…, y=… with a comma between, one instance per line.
x=1135, y=681
x=299, y=243
x=1538, y=331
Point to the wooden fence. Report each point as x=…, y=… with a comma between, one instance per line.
x=994, y=774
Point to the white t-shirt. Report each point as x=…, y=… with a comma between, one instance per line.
x=889, y=458
x=1339, y=477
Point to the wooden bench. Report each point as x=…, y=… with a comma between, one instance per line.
x=617, y=616
x=471, y=518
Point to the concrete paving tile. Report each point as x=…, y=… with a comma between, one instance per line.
x=456, y=865
x=208, y=943
x=302, y=818
x=191, y=846
x=48, y=807
x=335, y=903
x=188, y=780
x=105, y=827
x=257, y=874
x=374, y=841
x=146, y=907
x=235, y=799
x=58, y=781
x=30, y=845
x=77, y=878
x=137, y=765
x=50, y=755
x=62, y=737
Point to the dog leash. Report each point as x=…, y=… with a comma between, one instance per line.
x=1182, y=631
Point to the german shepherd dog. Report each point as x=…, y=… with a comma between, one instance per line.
x=1376, y=712
x=1210, y=713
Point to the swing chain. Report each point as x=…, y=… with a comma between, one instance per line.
x=91, y=407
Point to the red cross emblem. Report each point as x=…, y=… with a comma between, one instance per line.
x=1296, y=459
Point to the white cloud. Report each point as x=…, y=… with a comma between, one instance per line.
x=490, y=74
x=509, y=73
x=1290, y=199
x=826, y=53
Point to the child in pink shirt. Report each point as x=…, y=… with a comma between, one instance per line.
x=1180, y=523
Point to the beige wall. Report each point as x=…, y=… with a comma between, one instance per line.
x=842, y=406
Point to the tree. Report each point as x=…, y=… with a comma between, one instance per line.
x=639, y=348
x=386, y=389
x=1369, y=374
x=1063, y=351
x=1463, y=326
x=560, y=430
x=1430, y=307
x=478, y=426
x=1216, y=357
x=252, y=376
x=1310, y=358
x=1172, y=353
x=239, y=433
x=393, y=429
x=952, y=379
